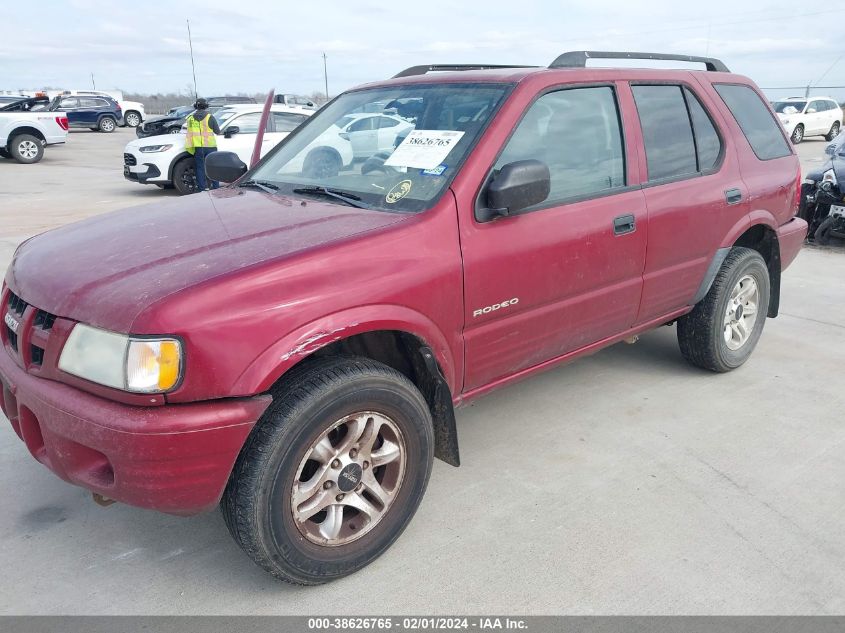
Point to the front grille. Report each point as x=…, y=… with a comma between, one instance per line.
x=16, y=304
x=129, y=160
x=37, y=354
x=13, y=338
x=44, y=320
x=29, y=342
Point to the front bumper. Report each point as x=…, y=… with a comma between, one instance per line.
x=174, y=458
x=145, y=173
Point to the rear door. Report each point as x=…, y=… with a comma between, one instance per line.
x=693, y=190
x=558, y=276
x=89, y=110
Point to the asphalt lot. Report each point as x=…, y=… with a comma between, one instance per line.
x=627, y=482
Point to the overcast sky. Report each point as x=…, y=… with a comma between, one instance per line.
x=253, y=45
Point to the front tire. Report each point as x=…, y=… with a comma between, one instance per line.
x=834, y=131
x=185, y=176
x=26, y=148
x=333, y=472
x=132, y=119
x=723, y=328
x=797, y=134
x=322, y=163
x=107, y=124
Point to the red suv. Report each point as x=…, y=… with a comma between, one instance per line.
x=292, y=346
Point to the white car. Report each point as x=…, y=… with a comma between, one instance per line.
x=163, y=161
x=809, y=116
x=372, y=133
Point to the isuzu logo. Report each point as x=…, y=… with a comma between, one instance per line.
x=495, y=306
x=349, y=477
x=12, y=323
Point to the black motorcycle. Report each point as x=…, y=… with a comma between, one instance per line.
x=823, y=197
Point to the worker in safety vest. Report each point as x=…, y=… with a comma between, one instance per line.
x=200, y=140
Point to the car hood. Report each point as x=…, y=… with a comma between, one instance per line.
x=161, y=119
x=105, y=270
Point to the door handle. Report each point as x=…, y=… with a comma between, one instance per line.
x=733, y=196
x=624, y=224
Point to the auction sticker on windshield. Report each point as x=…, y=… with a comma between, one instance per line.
x=424, y=149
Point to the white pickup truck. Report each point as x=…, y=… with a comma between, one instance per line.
x=24, y=135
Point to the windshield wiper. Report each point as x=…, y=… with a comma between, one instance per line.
x=267, y=187
x=349, y=198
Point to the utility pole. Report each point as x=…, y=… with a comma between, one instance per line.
x=326, y=76
x=93, y=85
x=193, y=68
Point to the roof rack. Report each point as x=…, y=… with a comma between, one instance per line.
x=578, y=59
x=428, y=68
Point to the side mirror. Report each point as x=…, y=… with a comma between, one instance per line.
x=224, y=166
x=231, y=131
x=518, y=185
x=811, y=110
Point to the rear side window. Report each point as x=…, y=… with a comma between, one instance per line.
x=679, y=136
x=758, y=125
x=667, y=132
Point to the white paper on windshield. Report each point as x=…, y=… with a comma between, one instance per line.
x=424, y=149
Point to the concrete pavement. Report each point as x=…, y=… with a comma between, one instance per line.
x=626, y=482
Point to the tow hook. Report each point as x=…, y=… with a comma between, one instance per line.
x=100, y=500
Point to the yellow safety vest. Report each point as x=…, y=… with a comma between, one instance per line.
x=199, y=134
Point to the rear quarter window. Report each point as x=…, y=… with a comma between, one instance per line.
x=763, y=133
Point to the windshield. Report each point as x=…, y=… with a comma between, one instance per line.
x=393, y=149
x=789, y=107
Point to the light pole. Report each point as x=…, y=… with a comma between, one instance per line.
x=326, y=76
x=193, y=68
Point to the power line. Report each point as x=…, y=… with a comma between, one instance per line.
x=830, y=67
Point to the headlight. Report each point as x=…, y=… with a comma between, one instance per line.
x=155, y=148
x=829, y=176
x=141, y=365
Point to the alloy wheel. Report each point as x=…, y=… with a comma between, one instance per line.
x=27, y=149
x=741, y=312
x=348, y=479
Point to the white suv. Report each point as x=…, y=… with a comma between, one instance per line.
x=809, y=116
x=163, y=161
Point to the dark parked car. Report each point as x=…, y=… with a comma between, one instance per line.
x=167, y=124
x=96, y=113
x=823, y=197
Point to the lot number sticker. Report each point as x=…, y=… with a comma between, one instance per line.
x=424, y=149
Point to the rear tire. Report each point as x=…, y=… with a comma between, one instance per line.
x=718, y=334
x=834, y=131
x=797, y=134
x=185, y=177
x=287, y=503
x=106, y=124
x=26, y=148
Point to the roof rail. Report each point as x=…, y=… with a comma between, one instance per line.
x=578, y=59
x=428, y=68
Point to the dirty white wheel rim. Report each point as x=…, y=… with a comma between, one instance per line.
x=348, y=479
x=28, y=150
x=132, y=120
x=741, y=312
x=107, y=124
